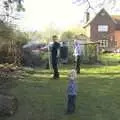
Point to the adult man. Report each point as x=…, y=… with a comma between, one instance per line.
x=54, y=56
x=78, y=55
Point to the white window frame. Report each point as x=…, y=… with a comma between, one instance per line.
x=103, y=43
x=102, y=28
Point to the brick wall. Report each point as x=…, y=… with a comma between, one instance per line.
x=117, y=38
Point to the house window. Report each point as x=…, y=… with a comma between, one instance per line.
x=102, y=14
x=103, y=43
x=102, y=28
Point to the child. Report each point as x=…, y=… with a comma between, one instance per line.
x=71, y=92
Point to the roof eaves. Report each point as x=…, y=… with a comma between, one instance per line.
x=87, y=24
x=95, y=17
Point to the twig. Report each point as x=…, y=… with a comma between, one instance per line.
x=9, y=16
x=89, y=5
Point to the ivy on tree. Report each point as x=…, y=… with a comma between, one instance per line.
x=9, y=8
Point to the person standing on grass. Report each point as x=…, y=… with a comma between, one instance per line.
x=71, y=92
x=78, y=55
x=54, y=49
x=54, y=56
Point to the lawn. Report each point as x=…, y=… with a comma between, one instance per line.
x=42, y=98
x=110, y=58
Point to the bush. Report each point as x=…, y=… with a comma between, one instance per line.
x=90, y=55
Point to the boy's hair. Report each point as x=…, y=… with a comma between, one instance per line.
x=54, y=36
x=73, y=74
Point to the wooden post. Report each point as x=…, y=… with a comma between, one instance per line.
x=86, y=53
x=49, y=57
x=98, y=51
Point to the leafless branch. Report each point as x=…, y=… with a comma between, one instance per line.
x=79, y=2
x=113, y=3
x=102, y=2
x=8, y=8
x=12, y=17
x=91, y=4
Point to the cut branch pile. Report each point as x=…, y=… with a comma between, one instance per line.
x=8, y=102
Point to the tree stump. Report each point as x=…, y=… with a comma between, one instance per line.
x=8, y=105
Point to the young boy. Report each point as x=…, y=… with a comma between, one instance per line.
x=71, y=92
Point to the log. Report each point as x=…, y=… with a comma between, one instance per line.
x=8, y=105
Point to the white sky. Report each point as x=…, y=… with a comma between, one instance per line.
x=41, y=13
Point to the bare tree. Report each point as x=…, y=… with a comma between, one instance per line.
x=9, y=9
x=94, y=4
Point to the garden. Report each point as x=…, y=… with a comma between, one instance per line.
x=42, y=98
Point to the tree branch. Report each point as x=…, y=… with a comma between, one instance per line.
x=96, y=4
x=9, y=16
x=89, y=5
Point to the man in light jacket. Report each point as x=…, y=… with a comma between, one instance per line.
x=78, y=55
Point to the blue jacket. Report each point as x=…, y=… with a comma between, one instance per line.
x=72, y=88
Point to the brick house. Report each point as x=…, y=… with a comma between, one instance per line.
x=104, y=29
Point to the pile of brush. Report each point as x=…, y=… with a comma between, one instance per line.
x=8, y=68
x=8, y=102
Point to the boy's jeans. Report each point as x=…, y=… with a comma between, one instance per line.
x=71, y=103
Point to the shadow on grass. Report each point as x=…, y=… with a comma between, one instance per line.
x=44, y=98
x=100, y=73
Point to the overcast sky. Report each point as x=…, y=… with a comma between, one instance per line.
x=41, y=13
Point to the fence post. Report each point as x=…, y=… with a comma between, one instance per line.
x=49, y=57
x=97, y=51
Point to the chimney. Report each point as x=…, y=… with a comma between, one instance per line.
x=87, y=16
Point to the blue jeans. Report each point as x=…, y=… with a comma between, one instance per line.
x=71, y=103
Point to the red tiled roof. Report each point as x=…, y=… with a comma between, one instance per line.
x=116, y=18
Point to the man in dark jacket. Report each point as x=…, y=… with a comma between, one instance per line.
x=54, y=56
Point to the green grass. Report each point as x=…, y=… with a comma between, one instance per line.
x=110, y=58
x=41, y=98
